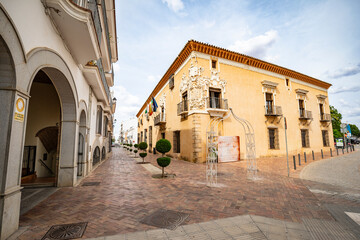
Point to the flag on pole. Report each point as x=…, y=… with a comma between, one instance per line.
x=150, y=108
x=155, y=106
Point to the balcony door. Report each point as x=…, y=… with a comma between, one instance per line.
x=301, y=108
x=214, y=100
x=269, y=103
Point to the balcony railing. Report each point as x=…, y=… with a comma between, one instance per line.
x=217, y=103
x=92, y=6
x=103, y=79
x=159, y=119
x=305, y=114
x=273, y=110
x=107, y=33
x=325, y=117
x=182, y=108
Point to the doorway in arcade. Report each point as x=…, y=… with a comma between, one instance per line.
x=41, y=148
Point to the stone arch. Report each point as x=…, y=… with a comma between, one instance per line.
x=11, y=55
x=82, y=167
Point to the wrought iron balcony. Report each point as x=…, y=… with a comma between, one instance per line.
x=95, y=76
x=103, y=79
x=305, y=114
x=78, y=22
x=325, y=117
x=107, y=34
x=273, y=110
x=159, y=119
x=182, y=108
x=217, y=103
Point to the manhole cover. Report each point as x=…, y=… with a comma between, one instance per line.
x=91, y=184
x=165, y=219
x=66, y=231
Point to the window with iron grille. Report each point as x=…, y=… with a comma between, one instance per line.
x=325, y=137
x=141, y=137
x=163, y=135
x=305, y=142
x=176, y=142
x=273, y=138
x=171, y=82
x=213, y=64
x=138, y=140
x=145, y=136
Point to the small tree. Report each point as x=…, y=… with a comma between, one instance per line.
x=136, y=148
x=163, y=146
x=143, y=146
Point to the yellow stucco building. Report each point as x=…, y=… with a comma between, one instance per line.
x=205, y=83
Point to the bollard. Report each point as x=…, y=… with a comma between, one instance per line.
x=299, y=159
x=322, y=154
x=337, y=151
x=305, y=156
x=342, y=150
x=313, y=154
x=294, y=162
x=350, y=148
x=353, y=148
x=347, y=149
x=330, y=152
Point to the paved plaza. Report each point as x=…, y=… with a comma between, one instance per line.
x=120, y=193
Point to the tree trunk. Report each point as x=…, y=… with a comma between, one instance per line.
x=163, y=172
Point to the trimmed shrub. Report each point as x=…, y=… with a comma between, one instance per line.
x=135, y=151
x=143, y=146
x=163, y=146
x=136, y=145
x=163, y=162
x=143, y=155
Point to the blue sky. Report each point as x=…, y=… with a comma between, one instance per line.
x=317, y=38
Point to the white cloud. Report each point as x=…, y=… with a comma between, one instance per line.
x=174, y=5
x=345, y=72
x=257, y=46
x=342, y=89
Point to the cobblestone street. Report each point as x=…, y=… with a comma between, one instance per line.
x=127, y=193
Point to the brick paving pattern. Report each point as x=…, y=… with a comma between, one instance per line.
x=127, y=193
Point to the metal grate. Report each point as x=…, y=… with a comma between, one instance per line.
x=91, y=184
x=66, y=231
x=165, y=219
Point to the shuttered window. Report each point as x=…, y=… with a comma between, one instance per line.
x=273, y=138
x=305, y=141
x=325, y=137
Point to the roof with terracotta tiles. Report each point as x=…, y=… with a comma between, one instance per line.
x=219, y=52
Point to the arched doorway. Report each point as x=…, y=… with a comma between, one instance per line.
x=81, y=162
x=42, y=132
x=103, y=153
x=96, y=156
x=80, y=155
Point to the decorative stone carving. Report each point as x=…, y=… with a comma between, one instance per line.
x=162, y=100
x=197, y=85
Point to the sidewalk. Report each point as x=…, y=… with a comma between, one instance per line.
x=119, y=194
x=245, y=227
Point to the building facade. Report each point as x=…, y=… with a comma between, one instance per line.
x=57, y=109
x=212, y=94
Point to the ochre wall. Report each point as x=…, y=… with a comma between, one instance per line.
x=244, y=91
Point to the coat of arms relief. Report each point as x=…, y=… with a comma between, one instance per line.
x=197, y=86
